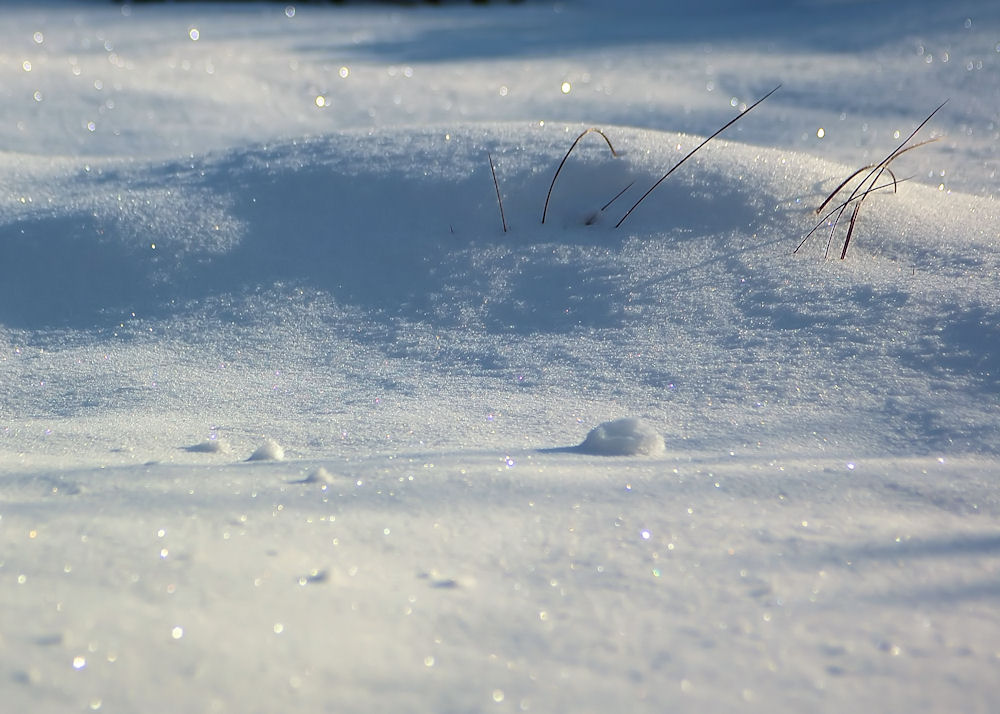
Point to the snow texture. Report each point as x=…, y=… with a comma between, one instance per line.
x=225, y=223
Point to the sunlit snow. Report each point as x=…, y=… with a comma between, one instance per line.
x=290, y=422
x=623, y=437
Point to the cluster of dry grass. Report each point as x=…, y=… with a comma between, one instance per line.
x=832, y=219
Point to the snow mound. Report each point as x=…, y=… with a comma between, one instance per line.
x=310, y=215
x=270, y=450
x=630, y=436
x=319, y=475
x=210, y=446
x=439, y=581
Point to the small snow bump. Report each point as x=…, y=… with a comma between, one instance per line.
x=438, y=581
x=630, y=436
x=210, y=446
x=314, y=576
x=445, y=584
x=270, y=450
x=319, y=475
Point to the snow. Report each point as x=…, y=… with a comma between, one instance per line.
x=319, y=475
x=270, y=450
x=629, y=436
x=211, y=446
x=259, y=229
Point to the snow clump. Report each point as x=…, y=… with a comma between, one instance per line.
x=270, y=450
x=210, y=446
x=320, y=476
x=630, y=436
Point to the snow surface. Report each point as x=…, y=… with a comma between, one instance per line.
x=230, y=225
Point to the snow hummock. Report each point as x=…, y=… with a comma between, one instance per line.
x=318, y=475
x=629, y=436
x=210, y=446
x=269, y=450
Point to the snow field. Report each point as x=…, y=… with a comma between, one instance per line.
x=688, y=581
x=229, y=230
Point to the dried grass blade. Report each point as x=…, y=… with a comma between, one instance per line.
x=892, y=158
x=496, y=184
x=850, y=228
x=841, y=185
x=877, y=170
x=911, y=147
x=617, y=196
x=694, y=151
x=848, y=180
x=576, y=141
x=842, y=205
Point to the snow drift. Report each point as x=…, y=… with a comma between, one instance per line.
x=393, y=234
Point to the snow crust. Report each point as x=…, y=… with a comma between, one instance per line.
x=267, y=221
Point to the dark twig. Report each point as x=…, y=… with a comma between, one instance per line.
x=496, y=184
x=576, y=141
x=693, y=151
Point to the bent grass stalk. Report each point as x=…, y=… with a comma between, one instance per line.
x=844, y=204
x=840, y=186
x=693, y=151
x=576, y=141
x=847, y=180
x=860, y=193
x=861, y=200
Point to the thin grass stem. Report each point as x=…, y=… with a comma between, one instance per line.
x=850, y=228
x=617, y=196
x=693, y=151
x=839, y=206
x=576, y=141
x=496, y=184
x=871, y=166
x=846, y=181
x=876, y=172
